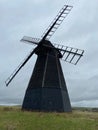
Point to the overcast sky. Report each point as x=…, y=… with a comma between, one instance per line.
x=31, y=18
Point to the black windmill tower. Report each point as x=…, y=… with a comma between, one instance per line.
x=47, y=89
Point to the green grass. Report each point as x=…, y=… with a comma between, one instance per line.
x=12, y=118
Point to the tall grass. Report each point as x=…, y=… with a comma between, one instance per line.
x=12, y=118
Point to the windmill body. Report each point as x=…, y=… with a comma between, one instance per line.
x=47, y=89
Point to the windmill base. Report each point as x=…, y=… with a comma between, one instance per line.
x=46, y=99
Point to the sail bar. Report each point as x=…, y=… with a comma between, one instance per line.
x=30, y=40
x=70, y=54
x=10, y=78
x=56, y=22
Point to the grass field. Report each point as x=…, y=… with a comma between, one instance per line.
x=12, y=118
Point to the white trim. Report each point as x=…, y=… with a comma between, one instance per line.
x=43, y=81
x=58, y=71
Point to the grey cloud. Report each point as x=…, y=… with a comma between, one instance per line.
x=31, y=18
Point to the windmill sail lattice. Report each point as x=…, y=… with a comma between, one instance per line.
x=70, y=54
x=30, y=40
x=56, y=22
x=47, y=90
x=10, y=78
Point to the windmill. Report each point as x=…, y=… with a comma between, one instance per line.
x=47, y=89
